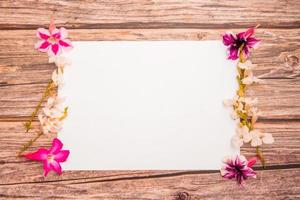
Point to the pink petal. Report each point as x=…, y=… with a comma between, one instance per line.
x=46, y=167
x=55, y=49
x=56, y=33
x=252, y=42
x=53, y=165
x=240, y=35
x=233, y=53
x=62, y=156
x=56, y=146
x=252, y=161
x=65, y=43
x=246, y=51
x=229, y=175
x=42, y=46
x=39, y=155
x=248, y=172
x=43, y=33
x=228, y=39
x=248, y=33
x=63, y=33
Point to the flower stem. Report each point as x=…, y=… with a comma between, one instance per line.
x=241, y=92
x=261, y=156
x=29, y=143
x=28, y=124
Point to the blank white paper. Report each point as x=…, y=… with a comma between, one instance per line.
x=148, y=105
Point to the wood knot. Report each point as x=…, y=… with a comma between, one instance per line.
x=182, y=196
x=292, y=61
x=200, y=36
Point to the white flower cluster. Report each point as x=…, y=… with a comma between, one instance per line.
x=245, y=109
x=54, y=112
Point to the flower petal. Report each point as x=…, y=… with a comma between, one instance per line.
x=56, y=146
x=42, y=46
x=63, y=33
x=256, y=141
x=237, y=141
x=248, y=80
x=252, y=161
x=46, y=167
x=55, y=49
x=39, y=155
x=55, y=166
x=223, y=171
x=52, y=165
x=43, y=33
x=229, y=175
x=248, y=33
x=268, y=138
x=56, y=33
x=247, y=137
x=228, y=39
x=253, y=42
x=245, y=65
x=233, y=53
x=62, y=156
x=246, y=51
x=65, y=44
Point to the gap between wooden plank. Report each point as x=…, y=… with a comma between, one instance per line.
x=155, y=176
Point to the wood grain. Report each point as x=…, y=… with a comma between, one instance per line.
x=87, y=14
x=281, y=184
x=24, y=73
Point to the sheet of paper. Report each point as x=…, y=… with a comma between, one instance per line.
x=148, y=105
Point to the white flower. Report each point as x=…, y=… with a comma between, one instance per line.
x=242, y=136
x=53, y=113
x=50, y=125
x=60, y=61
x=246, y=65
x=258, y=138
x=57, y=78
x=236, y=104
x=249, y=77
x=54, y=108
x=242, y=105
x=254, y=115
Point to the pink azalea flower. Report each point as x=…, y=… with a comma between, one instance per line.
x=50, y=158
x=53, y=40
x=234, y=42
x=238, y=168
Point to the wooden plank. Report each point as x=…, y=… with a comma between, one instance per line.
x=279, y=184
x=30, y=14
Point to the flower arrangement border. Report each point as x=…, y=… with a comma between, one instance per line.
x=54, y=41
x=244, y=108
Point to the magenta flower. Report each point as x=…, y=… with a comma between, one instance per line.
x=238, y=168
x=53, y=40
x=234, y=42
x=50, y=158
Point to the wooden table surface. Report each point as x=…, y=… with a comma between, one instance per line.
x=24, y=74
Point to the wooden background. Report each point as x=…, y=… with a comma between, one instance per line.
x=24, y=73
